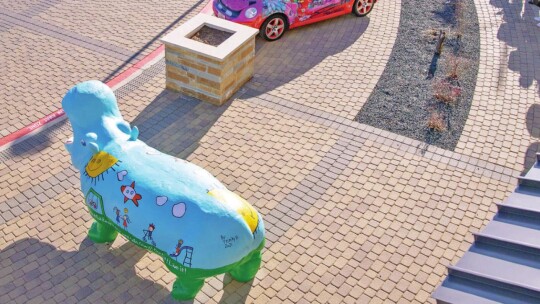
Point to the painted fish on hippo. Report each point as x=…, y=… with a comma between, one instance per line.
x=161, y=203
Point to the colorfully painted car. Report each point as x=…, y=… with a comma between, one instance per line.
x=274, y=17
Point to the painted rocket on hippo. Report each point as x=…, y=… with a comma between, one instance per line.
x=170, y=206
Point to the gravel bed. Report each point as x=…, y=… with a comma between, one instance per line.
x=403, y=99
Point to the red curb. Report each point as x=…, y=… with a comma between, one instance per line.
x=31, y=127
x=111, y=83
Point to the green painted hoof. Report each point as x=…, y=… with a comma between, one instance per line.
x=186, y=288
x=102, y=233
x=246, y=272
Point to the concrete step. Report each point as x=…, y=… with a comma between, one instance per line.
x=524, y=198
x=455, y=295
x=459, y=290
x=518, y=217
x=516, y=280
x=511, y=236
x=528, y=181
x=520, y=209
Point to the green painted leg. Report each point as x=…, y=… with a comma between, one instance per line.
x=186, y=288
x=246, y=271
x=102, y=233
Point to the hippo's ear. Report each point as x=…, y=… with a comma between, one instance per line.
x=126, y=129
x=134, y=133
x=91, y=142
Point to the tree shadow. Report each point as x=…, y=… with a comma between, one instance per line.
x=530, y=157
x=279, y=62
x=519, y=31
x=40, y=271
x=533, y=126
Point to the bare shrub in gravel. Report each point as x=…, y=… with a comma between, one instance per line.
x=456, y=66
x=436, y=122
x=445, y=92
x=431, y=34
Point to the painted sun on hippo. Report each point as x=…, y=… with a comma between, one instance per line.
x=163, y=204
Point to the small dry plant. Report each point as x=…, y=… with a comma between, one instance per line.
x=436, y=122
x=456, y=66
x=432, y=34
x=445, y=92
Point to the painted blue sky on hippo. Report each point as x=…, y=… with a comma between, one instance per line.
x=160, y=202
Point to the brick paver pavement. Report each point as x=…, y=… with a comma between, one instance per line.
x=335, y=74
x=354, y=214
x=47, y=45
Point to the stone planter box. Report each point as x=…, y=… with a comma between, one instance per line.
x=206, y=72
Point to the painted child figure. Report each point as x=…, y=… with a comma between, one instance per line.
x=224, y=232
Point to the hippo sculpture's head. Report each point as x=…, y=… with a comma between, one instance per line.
x=96, y=120
x=161, y=203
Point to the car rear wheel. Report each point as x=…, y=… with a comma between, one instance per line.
x=273, y=28
x=363, y=7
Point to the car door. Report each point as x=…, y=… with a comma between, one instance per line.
x=310, y=11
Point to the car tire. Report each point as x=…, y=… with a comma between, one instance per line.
x=362, y=8
x=273, y=27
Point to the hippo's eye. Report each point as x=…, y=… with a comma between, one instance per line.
x=83, y=142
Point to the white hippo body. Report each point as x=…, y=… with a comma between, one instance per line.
x=164, y=204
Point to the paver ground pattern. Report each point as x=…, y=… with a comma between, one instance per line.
x=353, y=214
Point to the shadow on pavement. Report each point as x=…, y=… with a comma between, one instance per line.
x=174, y=123
x=37, y=142
x=279, y=62
x=41, y=270
x=533, y=126
x=519, y=31
x=234, y=291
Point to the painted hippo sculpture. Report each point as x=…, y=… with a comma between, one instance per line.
x=161, y=203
